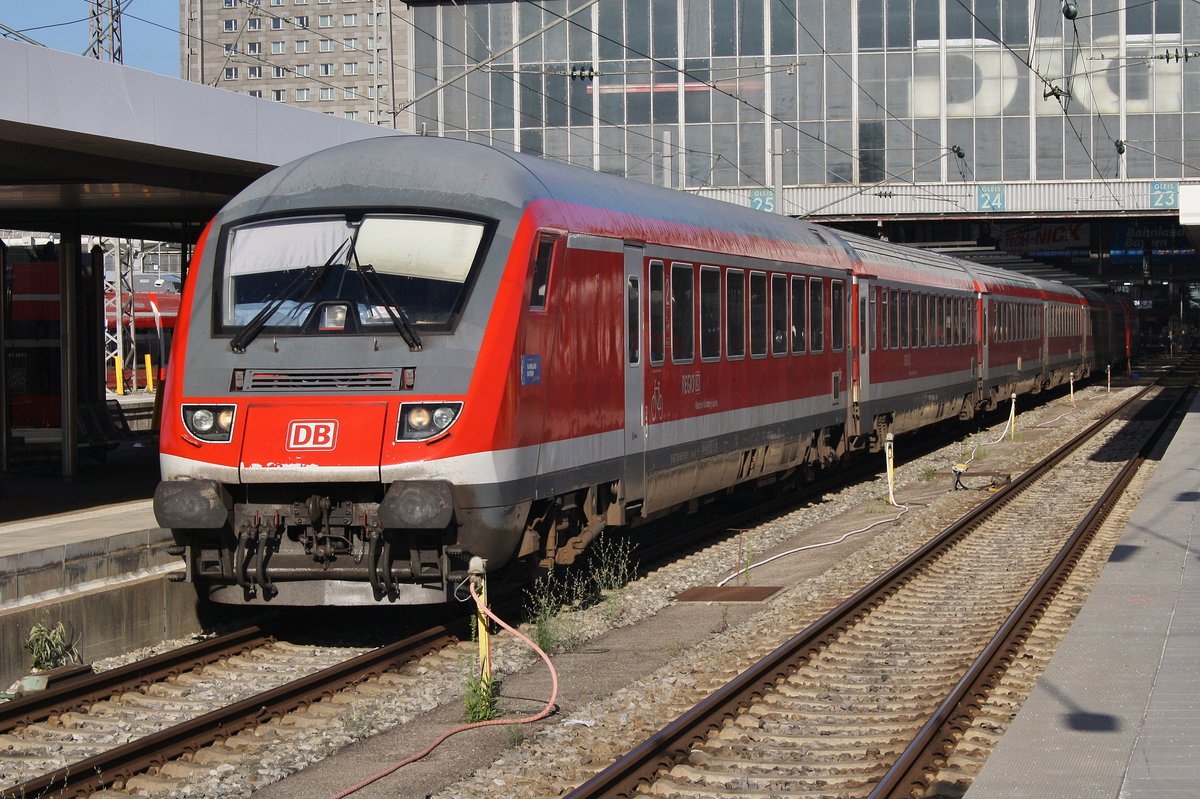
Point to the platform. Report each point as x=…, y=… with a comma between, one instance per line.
x=66, y=543
x=1117, y=712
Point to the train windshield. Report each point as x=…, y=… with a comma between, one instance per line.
x=374, y=272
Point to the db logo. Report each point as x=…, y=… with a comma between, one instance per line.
x=312, y=434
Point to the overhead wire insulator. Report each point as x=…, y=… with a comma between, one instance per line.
x=1120, y=146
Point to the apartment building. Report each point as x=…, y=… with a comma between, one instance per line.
x=342, y=57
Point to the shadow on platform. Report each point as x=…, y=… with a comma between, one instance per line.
x=35, y=487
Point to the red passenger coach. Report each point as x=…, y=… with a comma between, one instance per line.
x=397, y=355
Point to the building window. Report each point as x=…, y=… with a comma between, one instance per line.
x=277, y=23
x=349, y=44
x=301, y=2
x=255, y=93
x=254, y=24
x=350, y=69
x=254, y=73
x=231, y=73
x=301, y=22
x=349, y=93
x=325, y=45
x=350, y=115
x=302, y=95
x=302, y=70
x=327, y=93
x=277, y=95
x=302, y=46
x=230, y=25
x=230, y=49
x=349, y=20
x=325, y=21
x=253, y=48
x=279, y=72
x=276, y=48
x=231, y=3
x=276, y=2
x=325, y=70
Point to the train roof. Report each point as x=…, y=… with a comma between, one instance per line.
x=432, y=172
x=466, y=177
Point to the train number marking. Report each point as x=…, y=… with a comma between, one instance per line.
x=312, y=434
x=691, y=383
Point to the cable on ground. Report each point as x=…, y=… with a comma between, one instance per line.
x=543, y=713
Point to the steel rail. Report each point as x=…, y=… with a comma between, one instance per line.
x=671, y=744
x=80, y=691
x=909, y=775
x=118, y=764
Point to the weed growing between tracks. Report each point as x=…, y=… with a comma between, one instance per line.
x=609, y=567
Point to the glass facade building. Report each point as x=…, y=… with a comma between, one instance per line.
x=724, y=96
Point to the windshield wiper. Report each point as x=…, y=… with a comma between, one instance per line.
x=375, y=288
x=312, y=275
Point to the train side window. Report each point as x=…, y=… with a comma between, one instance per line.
x=658, y=322
x=894, y=326
x=633, y=335
x=683, y=313
x=758, y=314
x=904, y=308
x=873, y=319
x=799, y=314
x=541, y=272
x=735, y=313
x=837, y=313
x=923, y=326
x=914, y=320
x=816, y=314
x=883, y=318
x=710, y=312
x=779, y=314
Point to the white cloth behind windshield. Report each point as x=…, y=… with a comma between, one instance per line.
x=283, y=245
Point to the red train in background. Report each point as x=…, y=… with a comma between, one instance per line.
x=31, y=296
x=400, y=353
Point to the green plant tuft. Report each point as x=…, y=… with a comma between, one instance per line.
x=50, y=647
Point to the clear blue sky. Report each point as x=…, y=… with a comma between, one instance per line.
x=149, y=29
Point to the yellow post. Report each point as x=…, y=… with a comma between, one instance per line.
x=477, y=571
x=119, y=367
x=1012, y=419
x=889, y=452
x=149, y=374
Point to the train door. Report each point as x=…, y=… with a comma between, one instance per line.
x=865, y=337
x=634, y=485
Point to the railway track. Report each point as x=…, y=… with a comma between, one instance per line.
x=81, y=738
x=96, y=733
x=870, y=699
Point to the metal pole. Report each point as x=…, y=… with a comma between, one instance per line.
x=68, y=266
x=777, y=167
x=668, y=158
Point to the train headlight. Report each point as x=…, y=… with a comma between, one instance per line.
x=419, y=420
x=443, y=416
x=203, y=420
x=210, y=422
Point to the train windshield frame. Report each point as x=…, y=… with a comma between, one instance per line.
x=286, y=274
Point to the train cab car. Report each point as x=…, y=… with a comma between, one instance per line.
x=404, y=352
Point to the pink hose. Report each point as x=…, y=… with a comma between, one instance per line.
x=493, y=723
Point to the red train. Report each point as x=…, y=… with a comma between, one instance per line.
x=397, y=354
